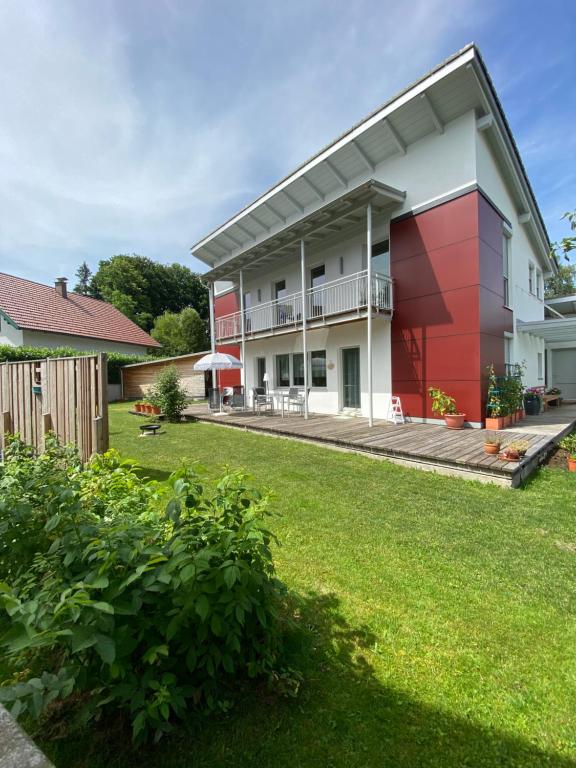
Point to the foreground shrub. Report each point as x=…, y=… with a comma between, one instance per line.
x=141, y=612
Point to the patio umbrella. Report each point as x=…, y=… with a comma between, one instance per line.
x=217, y=361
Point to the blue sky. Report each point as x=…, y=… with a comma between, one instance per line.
x=139, y=125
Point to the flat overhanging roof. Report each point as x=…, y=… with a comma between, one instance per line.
x=332, y=217
x=551, y=330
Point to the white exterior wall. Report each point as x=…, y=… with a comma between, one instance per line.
x=81, y=343
x=10, y=335
x=332, y=339
x=433, y=167
x=526, y=306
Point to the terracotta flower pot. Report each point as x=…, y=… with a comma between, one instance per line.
x=491, y=448
x=494, y=422
x=454, y=420
x=571, y=464
x=519, y=414
x=156, y=410
x=508, y=455
x=147, y=408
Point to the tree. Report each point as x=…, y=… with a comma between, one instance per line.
x=153, y=287
x=180, y=333
x=83, y=275
x=564, y=282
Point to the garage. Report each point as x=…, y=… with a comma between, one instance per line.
x=563, y=372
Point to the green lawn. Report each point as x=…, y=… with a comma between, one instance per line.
x=439, y=615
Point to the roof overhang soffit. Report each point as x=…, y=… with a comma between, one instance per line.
x=551, y=330
x=322, y=222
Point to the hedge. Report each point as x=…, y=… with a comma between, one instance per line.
x=115, y=359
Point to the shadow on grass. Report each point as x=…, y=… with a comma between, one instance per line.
x=344, y=717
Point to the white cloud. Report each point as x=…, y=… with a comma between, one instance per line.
x=138, y=126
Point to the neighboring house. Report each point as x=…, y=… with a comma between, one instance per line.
x=138, y=378
x=32, y=314
x=432, y=186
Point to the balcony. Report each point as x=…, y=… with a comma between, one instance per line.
x=339, y=301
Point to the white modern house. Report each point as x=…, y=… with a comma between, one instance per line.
x=408, y=253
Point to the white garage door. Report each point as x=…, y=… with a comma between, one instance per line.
x=564, y=372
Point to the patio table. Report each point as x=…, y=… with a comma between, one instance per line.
x=282, y=397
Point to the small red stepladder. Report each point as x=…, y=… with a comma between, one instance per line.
x=396, y=415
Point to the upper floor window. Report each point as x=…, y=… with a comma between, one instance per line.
x=506, y=268
x=380, y=257
x=531, y=279
x=280, y=289
x=538, y=283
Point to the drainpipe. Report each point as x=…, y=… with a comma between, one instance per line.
x=369, y=307
x=243, y=326
x=304, y=313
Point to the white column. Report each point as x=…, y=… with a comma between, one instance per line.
x=243, y=326
x=304, y=318
x=212, y=326
x=369, y=303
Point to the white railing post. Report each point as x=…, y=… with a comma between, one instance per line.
x=243, y=331
x=212, y=327
x=369, y=307
x=304, y=313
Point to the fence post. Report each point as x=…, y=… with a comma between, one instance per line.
x=102, y=427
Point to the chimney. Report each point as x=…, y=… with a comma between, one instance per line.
x=60, y=286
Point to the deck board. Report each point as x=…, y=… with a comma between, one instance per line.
x=431, y=446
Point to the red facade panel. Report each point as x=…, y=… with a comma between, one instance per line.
x=226, y=305
x=449, y=319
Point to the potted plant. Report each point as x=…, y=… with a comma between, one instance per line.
x=532, y=402
x=494, y=416
x=492, y=445
x=515, y=450
x=569, y=445
x=138, y=407
x=445, y=405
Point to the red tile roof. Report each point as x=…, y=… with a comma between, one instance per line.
x=33, y=306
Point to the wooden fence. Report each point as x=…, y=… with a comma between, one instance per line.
x=67, y=396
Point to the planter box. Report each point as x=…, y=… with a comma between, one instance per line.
x=494, y=422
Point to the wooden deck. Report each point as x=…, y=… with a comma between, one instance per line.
x=425, y=446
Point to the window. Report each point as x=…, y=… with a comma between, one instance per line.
x=318, y=366
x=381, y=257
x=282, y=370
x=508, y=354
x=260, y=371
x=531, y=283
x=317, y=278
x=538, y=283
x=259, y=294
x=506, y=269
x=540, y=366
x=341, y=264
x=280, y=289
x=298, y=369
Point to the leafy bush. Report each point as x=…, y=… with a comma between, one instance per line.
x=150, y=611
x=569, y=444
x=168, y=394
x=116, y=360
x=441, y=402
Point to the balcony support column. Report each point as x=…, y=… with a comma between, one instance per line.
x=304, y=319
x=369, y=308
x=243, y=332
x=212, y=327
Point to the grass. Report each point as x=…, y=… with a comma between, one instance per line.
x=439, y=615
